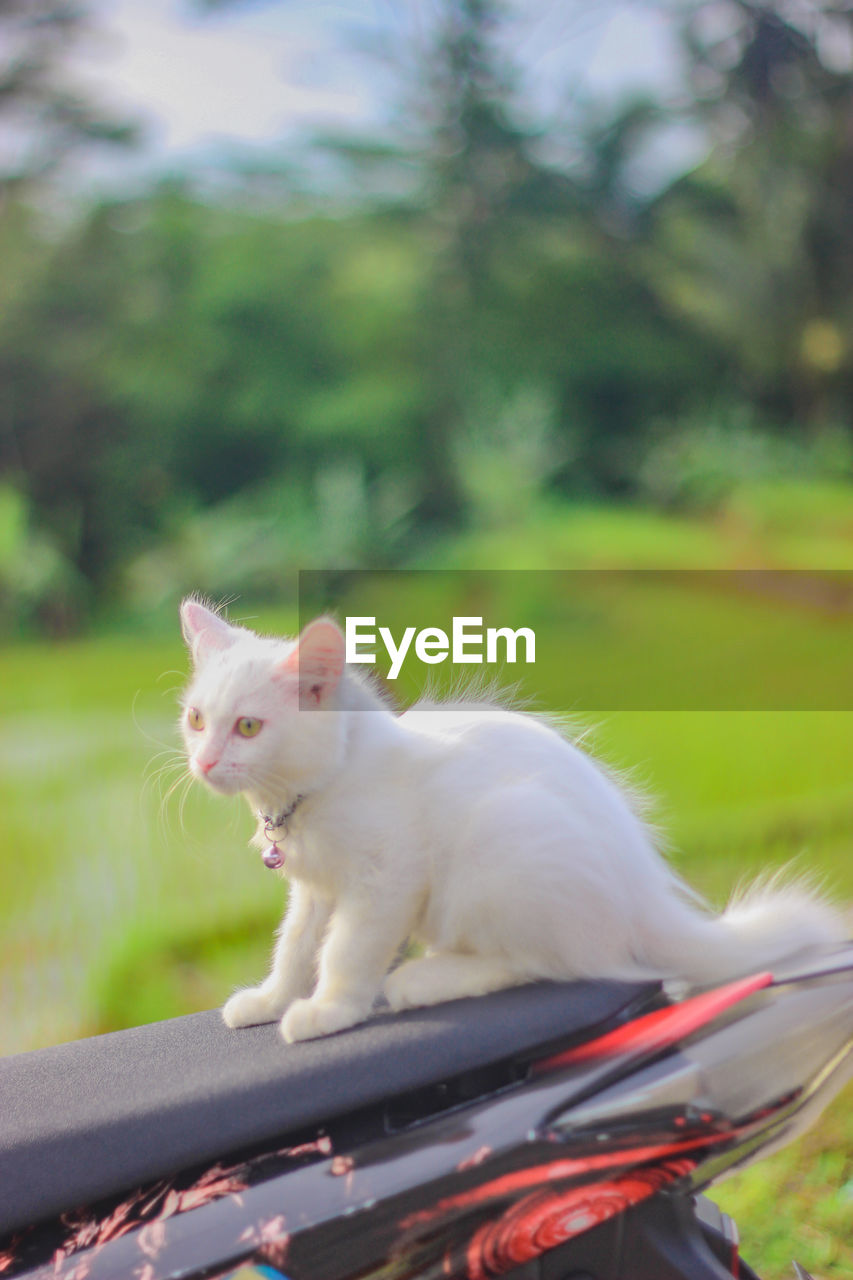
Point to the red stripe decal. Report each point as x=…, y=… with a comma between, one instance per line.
x=661, y=1029
x=537, y=1176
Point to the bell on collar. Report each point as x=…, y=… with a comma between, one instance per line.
x=273, y=857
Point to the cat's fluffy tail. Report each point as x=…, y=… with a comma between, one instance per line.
x=770, y=922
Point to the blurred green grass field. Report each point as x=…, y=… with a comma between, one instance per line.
x=122, y=903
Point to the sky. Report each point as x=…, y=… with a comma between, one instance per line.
x=257, y=73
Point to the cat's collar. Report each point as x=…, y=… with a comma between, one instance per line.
x=275, y=821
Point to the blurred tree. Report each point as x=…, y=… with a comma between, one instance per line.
x=461, y=173
x=244, y=377
x=53, y=421
x=619, y=349
x=478, y=179
x=62, y=435
x=45, y=116
x=529, y=275
x=758, y=243
x=539, y=276
x=531, y=279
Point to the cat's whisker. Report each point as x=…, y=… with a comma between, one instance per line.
x=152, y=788
x=158, y=768
x=188, y=779
x=156, y=774
x=172, y=769
x=162, y=815
x=183, y=780
x=149, y=737
x=182, y=777
x=171, y=690
x=180, y=674
x=161, y=762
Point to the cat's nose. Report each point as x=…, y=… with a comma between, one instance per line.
x=207, y=765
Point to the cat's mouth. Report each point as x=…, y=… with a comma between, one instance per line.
x=218, y=780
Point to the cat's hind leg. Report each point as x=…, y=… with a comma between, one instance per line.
x=445, y=976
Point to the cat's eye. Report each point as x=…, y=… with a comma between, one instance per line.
x=248, y=726
x=195, y=719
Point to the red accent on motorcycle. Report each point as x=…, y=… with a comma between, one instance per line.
x=538, y=1176
x=661, y=1029
x=542, y=1221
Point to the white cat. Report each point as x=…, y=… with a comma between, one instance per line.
x=478, y=831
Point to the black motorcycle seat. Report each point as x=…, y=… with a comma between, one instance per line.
x=84, y=1120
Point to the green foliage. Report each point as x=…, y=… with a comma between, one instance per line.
x=38, y=586
x=204, y=394
x=700, y=462
x=797, y=1202
x=174, y=970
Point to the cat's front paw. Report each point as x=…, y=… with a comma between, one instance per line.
x=307, y=1019
x=251, y=1007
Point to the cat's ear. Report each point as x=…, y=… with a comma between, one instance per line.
x=204, y=631
x=317, y=660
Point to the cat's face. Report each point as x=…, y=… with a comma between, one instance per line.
x=257, y=715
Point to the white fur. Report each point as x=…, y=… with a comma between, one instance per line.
x=479, y=831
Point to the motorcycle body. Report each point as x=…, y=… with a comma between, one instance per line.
x=557, y=1131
